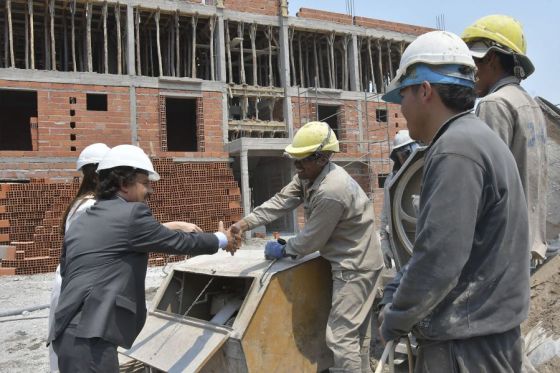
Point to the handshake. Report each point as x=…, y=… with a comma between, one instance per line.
x=272, y=250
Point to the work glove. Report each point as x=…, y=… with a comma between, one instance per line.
x=387, y=252
x=275, y=249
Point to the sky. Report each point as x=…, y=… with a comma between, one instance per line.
x=540, y=19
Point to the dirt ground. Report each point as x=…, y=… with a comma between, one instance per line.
x=23, y=336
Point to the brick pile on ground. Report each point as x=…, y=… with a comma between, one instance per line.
x=30, y=213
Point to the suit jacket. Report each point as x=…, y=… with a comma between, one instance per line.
x=103, y=266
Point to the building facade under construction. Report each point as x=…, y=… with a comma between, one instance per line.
x=213, y=91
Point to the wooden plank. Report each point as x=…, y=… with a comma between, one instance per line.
x=89, y=7
x=177, y=45
x=240, y=32
x=105, y=42
x=10, y=32
x=26, y=40
x=292, y=63
x=253, y=35
x=137, y=29
x=160, y=64
x=212, y=26
x=31, y=33
x=228, y=52
x=194, y=22
x=119, y=41
x=52, y=34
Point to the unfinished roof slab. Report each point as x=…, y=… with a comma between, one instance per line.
x=312, y=25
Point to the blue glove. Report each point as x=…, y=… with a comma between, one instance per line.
x=274, y=250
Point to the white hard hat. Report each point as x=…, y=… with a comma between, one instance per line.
x=401, y=139
x=91, y=154
x=438, y=57
x=130, y=156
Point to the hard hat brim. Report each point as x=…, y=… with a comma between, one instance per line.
x=153, y=176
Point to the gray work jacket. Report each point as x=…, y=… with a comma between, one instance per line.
x=519, y=121
x=339, y=219
x=468, y=274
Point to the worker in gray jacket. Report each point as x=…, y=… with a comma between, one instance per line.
x=465, y=290
x=498, y=46
x=339, y=223
x=403, y=147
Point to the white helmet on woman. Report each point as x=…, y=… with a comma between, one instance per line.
x=128, y=156
x=91, y=154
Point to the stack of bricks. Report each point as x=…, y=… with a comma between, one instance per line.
x=31, y=213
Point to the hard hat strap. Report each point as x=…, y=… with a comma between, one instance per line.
x=325, y=140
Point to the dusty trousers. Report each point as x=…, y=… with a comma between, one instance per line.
x=495, y=353
x=349, y=324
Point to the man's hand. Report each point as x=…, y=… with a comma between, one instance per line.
x=380, y=319
x=274, y=250
x=241, y=226
x=387, y=253
x=233, y=237
x=182, y=226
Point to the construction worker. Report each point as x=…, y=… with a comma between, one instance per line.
x=465, y=290
x=104, y=260
x=498, y=46
x=403, y=147
x=85, y=198
x=340, y=224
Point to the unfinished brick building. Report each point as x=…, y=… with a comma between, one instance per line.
x=212, y=91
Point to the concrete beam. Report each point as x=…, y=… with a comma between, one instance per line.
x=274, y=146
x=113, y=80
x=332, y=94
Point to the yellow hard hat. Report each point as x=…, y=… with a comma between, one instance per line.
x=502, y=33
x=313, y=137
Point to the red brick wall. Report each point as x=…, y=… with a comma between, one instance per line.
x=266, y=7
x=53, y=132
x=392, y=26
x=30, y=214
x=362, y=21
x=324, y=16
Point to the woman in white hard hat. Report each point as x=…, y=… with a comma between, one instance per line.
x=87, y=163
x=104, y=261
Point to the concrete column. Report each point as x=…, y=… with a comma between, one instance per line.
x=245, y=189
x=131, y=61
x=285, y=75
x=133, y=124
x=353, y=64
x=361, y=145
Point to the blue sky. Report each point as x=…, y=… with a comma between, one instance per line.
x=540, y=19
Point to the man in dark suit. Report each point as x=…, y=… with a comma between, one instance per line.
x=104, y=261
